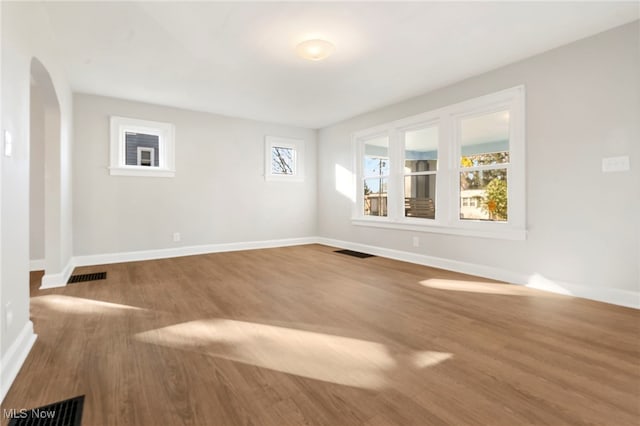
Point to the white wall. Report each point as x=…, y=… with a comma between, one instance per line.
x=583, y=103
x=36, y=174
x=218, y=194
x=26, y=34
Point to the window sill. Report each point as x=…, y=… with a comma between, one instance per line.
x=495, y=232
x=284, y=178
x=141, y=171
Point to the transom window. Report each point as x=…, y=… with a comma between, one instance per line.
x=458, y=169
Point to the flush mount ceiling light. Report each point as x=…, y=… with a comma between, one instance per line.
x=314, y=50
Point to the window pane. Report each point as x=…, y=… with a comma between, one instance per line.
x=133, y=141
x=421, y=150
x=419, y=196
x=485, y=139
x=376, y=157
x=283, y=160
x=375, y=197
x=487, y=191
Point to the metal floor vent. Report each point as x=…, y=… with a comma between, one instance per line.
x=355, y=253
x=87, y=277
x=63, y=413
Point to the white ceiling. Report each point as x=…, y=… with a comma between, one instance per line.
x=238, y=59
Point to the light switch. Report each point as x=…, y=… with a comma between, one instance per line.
x=8, y=144
x=615, y=164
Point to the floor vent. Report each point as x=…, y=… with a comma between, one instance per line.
x=354, y=253
x=63, y=413
x=87, y=277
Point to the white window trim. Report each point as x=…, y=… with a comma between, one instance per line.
x=298, y=168
x=166, y=147
x=447, y=220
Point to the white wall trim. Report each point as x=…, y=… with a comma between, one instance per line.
x=134, y=256
x=14, y=357
x=58, y=280
x=614, y=296
x=36, y=265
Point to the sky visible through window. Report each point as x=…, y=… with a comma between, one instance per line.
x=282, y=160
x=374, y=167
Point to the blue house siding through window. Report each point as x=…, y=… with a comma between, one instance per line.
x=133, y=141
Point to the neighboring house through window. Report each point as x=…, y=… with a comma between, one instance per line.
x=458, y=169
x=142, y=148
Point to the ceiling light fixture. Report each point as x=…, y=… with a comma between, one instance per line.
x=315, y=50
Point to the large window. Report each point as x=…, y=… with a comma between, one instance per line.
x=458, y=169
x=141, y=148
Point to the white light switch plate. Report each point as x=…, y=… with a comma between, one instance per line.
x=8, y=144
x=615, y=164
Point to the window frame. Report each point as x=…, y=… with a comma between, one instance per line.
x=166, y=147
x=447, y=198
x=297, y=145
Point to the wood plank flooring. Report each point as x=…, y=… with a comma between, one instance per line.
x=306, y=336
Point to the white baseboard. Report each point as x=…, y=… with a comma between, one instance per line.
x=614, y=296
x=14, y=357
x=59, y=279
x=134, y=256
x=601, y=294
x=36, y=265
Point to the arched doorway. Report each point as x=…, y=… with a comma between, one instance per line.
x=44, y=172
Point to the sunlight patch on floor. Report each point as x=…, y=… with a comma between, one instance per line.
x=425, y=359
x=480, y=287
x=79, y=305
x=475, y=287
x=326, y=357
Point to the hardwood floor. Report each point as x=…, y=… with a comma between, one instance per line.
x=303, y=335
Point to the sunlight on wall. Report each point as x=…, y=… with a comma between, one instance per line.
x=541, y=283
x=330, y=358
x=345, y=183
x=79, y=305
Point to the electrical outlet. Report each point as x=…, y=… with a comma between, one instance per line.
x=416, y=241
x=176, y=237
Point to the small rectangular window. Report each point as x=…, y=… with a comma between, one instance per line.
x=141, y=148
x=284, y=159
